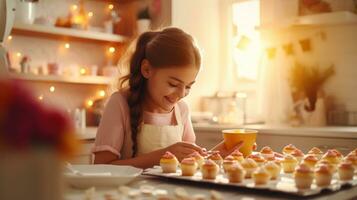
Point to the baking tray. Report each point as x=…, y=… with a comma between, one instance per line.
x=284, y=184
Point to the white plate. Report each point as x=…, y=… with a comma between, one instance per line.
x=101, y=175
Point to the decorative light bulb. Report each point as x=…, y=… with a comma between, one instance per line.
x=101, y=93
x=90, y=103
x=40, y=97
x=111, y=49
x=18, y=54
x=52, y=89
x=111, y=6
x=90, y=14
x=74, y=7
x=82, y=71
x=67, y=45
x=9, y=37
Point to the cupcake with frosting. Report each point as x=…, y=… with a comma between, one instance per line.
x=289, y=163
x=209, y=170
x=235, y=173
x=168, y=163
x=288, y=149
x=267, y=153
x=188, y=166
x=298, y=154
x=199, y=159
x=323, y=175
x=331, y=157
x=331, y=167
x=273, y=169
x=228, y=162
x=345, y=171
x=258, y=158
x=249, y=166
x=237, y=155
x=353, y=159
x=303, y=176
x=316, y=152
x=310, y=160
x=261, y=176
x=338, y=154
x=216, y=157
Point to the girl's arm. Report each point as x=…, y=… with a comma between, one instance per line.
x=179, y=149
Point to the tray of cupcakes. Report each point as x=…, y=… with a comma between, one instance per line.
x=290, y=171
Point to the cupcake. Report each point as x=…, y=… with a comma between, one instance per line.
x=237, y=155
x=199, y=159
x=338, y=154
x=298, y=154
x=288, y=149
x=261, y=176
x=209, y=170
x=217, y=158
x=353, y=159
x=188, y=166
x=345, y=171
x=310, y=160
x=228, y=162
x=273, y=169
x=168, y=163
x=316, y=152
x=323, y=175
x=249, y=166
x=259, y=159
x=235, y=173
x=289, y=163
x=331, y=167
x=303, y=176
x=267, y=152
x=331, y=157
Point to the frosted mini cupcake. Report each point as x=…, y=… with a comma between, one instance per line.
x=209, y=170
x=345, y=171
x=237, y=155
x=168, y=163
x=289, y=163
x=228, y=162
x=353, y=159
x=323, y=175
x=267, y=153
x=235, y=173
x=273, y=169
x=249, y=166
x=288, y=149
x=199, y=159
x=298, y=154
x=331, y=157
x=261, y=176
x=188, y=166
x=316, y=152
x=258, y=158
x=303, y=176
x=217, y=158
x=310, y=160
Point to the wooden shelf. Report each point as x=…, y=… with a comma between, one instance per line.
x=96, y=80
x=35, y=29
x=323, y=19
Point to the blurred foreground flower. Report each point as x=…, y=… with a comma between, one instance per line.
x=25, y=124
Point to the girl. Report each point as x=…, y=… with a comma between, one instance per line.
x=147, y=117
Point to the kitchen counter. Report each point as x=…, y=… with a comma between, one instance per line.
x=192, y=189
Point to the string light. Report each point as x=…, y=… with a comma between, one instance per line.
x=111, y=49
x=111, y=6
x=101, y=93
x=52, y=89
x=90, y=103
x=40, y=97
x=82, y=71
x=18, y=54
x=9, y=37
x=90, y=14
x=74, y=7
x=67, y=45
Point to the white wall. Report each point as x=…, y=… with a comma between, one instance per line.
x=200, y=18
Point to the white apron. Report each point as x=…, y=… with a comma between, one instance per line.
x=154, y=137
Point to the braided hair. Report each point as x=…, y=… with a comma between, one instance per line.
x=169, y=47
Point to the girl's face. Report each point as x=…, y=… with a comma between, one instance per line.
x=166, y=86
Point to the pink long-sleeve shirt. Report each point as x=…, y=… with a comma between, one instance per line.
x=115, y=124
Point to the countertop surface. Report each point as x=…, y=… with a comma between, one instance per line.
x=89, y=133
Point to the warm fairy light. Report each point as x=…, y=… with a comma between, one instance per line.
x=101, y=93
x=40, y=97
x=74, y=7
x=9, y=37
x=18, y=54
x=67, y=45
x=82, y=71
x=52, y=89
x=90, y=14
x=111, y=6
x=89, y=103
x=111, y=49
x=241, y=95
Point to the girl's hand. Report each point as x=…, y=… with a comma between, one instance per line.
x=182, y=149
x=223, y=150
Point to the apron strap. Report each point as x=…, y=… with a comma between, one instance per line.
x=178, y=115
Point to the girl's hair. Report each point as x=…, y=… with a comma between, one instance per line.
x=169, y=47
